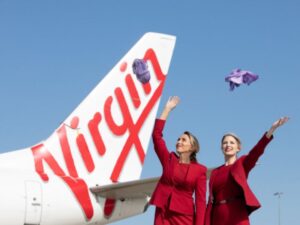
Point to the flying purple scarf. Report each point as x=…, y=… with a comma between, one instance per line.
x=140, y=69
x=238, y=76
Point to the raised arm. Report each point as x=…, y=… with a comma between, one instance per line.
x=157, y=135
x=258, y=149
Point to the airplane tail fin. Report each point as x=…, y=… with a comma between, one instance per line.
x=105, y=138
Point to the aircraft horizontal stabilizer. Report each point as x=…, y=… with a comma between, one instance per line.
x=131, y=189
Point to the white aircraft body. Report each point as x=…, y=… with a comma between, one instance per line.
x=88, y=170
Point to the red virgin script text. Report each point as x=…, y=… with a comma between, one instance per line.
x=77, y=185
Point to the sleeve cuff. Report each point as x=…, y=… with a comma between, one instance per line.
x=159, y=123
x=266, y=139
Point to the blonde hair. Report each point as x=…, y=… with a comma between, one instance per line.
x=195, y=145
x=238, y=140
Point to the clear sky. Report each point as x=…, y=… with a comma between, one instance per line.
x=52, y=53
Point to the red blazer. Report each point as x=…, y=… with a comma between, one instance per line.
x=240, y=171
x=180, y=198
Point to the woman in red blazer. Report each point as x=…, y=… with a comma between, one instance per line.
x=230, y=199
x=182, y=176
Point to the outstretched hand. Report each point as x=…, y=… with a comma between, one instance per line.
x=277, y=124
x=280, y=122
x=172, y=102
x=170, y=105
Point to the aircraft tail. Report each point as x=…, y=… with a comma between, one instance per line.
x=100, y=146
x=105, y=139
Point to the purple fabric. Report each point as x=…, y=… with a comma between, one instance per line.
x=238, y=77
x=140, y=69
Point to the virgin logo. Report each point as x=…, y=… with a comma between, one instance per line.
x=78, y=185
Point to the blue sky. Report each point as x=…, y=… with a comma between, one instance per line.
x=52, y=53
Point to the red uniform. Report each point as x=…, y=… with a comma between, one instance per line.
x=173, y=196
x=230, y=199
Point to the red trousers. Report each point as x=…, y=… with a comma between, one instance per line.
x=167, y=217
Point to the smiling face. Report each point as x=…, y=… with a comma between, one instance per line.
x=230, y=145
x=183, y=144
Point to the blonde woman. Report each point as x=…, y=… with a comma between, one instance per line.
x=230, y=198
